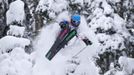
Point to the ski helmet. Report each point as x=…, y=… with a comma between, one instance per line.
x=75, y=20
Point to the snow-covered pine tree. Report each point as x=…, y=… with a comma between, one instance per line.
x=106, y=18
x=110, y=20
x=3, y=9
x=14, y=59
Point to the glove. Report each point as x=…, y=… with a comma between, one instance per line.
x=87, y=42
x=64, y=24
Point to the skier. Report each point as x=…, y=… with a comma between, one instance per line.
x=68, y=31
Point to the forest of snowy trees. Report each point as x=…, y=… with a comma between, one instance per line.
x=28, y=28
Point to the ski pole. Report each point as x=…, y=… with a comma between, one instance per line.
x=79, y=52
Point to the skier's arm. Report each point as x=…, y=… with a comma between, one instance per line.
x=85, y=40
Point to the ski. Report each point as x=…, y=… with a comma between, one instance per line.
x=53, y=50
x=50, y=54
x=58, y=45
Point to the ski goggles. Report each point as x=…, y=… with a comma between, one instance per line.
x=75, y=23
